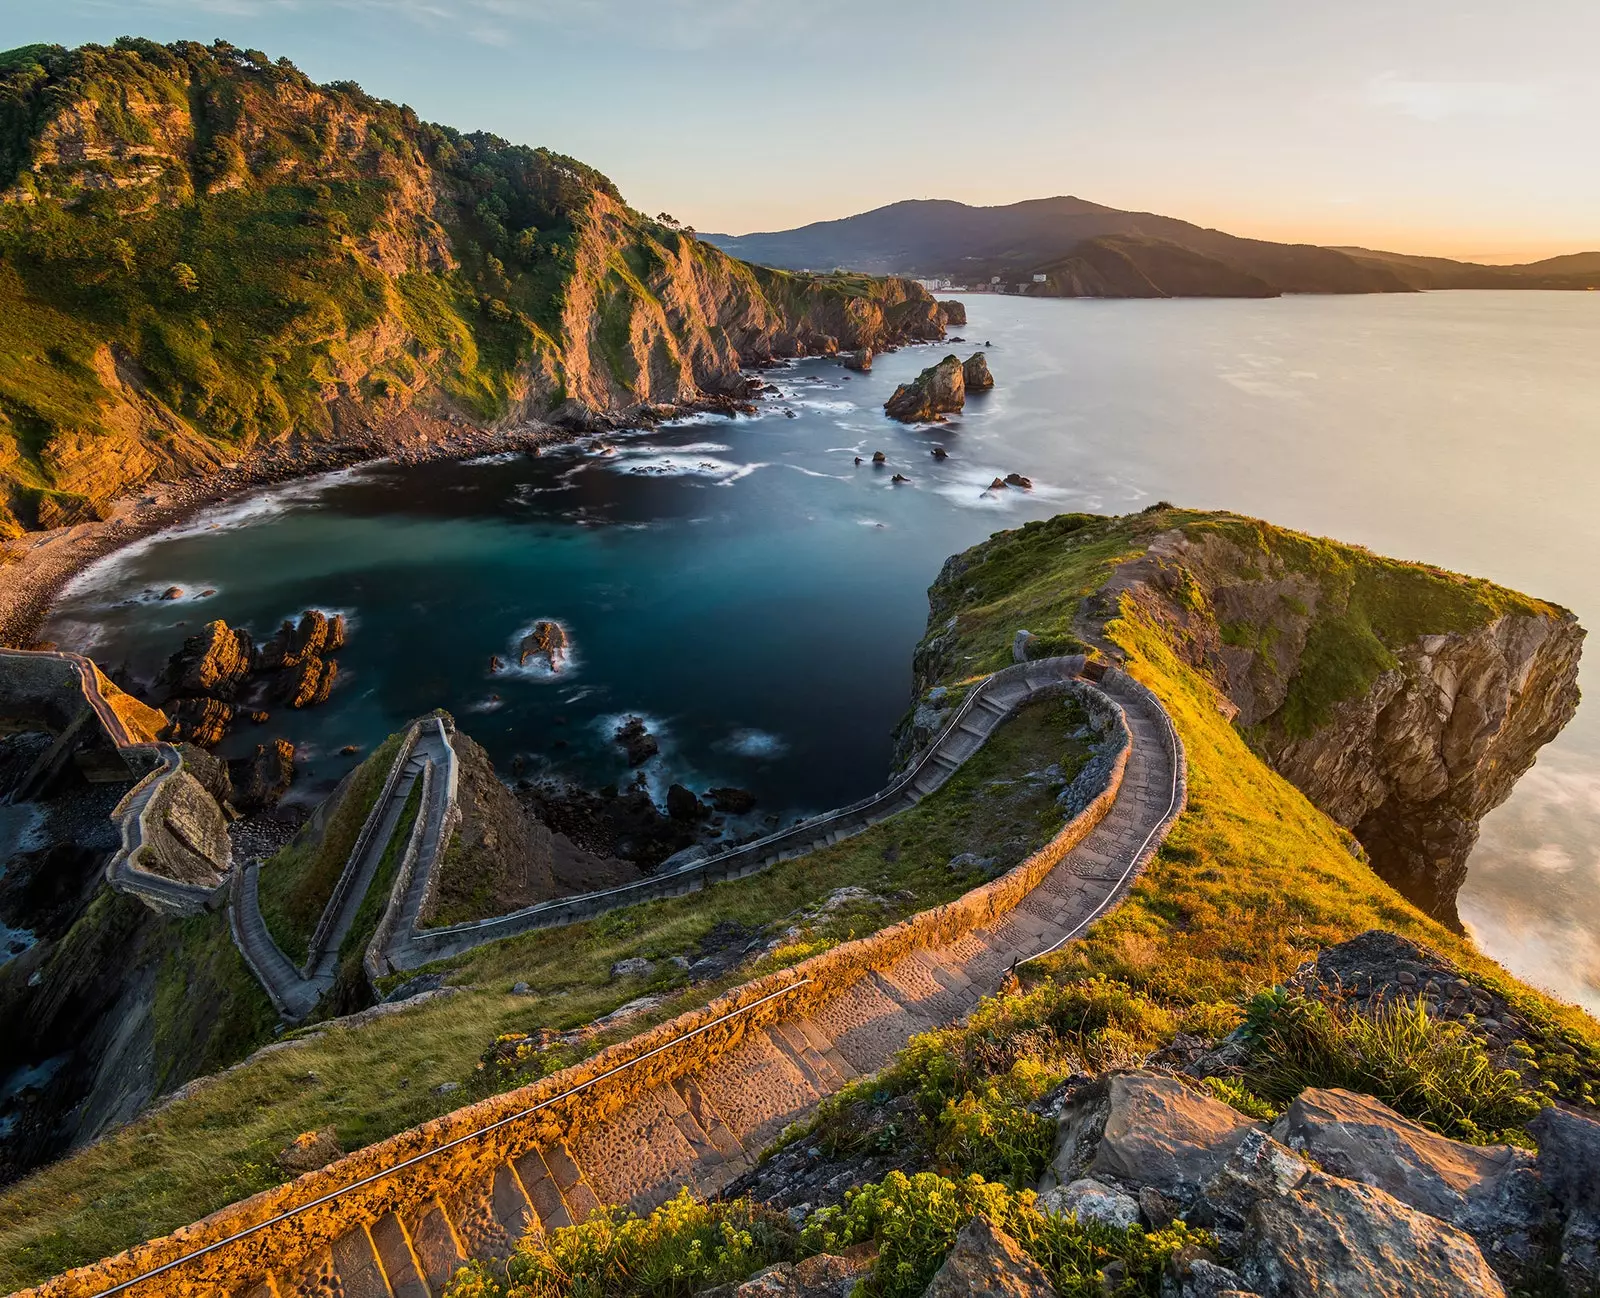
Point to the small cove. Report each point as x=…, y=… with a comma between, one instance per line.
x=755, y=595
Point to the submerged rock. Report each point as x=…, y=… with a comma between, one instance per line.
x=733, y=802
x=636, y=741
x=878, y=457
x=939, y=390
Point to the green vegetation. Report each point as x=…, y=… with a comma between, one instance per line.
x=350, y=991
x=1428, y=1069
x=682, y=1247
x=174, y=1166
x=201, y=250
x=297, y=881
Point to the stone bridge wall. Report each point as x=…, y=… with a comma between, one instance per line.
x=372, y=1182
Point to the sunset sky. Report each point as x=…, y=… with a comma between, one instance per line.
x=1463, y=129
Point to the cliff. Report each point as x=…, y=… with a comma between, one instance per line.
x=1403, y=700
x=203, y=253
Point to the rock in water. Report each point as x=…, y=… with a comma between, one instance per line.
x=733, y=802
x=214, y=662
x=939, y=453
x=953, y=313
x=1017, y=480
x=975, y=373
x=985, y=1262
x=682, y=805
x=637, y=742
x=547, y=640
x=201, y=720
x=939, y=390
x=266, y=777
x=307, y=683
x=999, y=484
x=859, y=360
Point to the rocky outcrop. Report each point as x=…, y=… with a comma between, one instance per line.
x=547, y=640
x=939, y=390
x=1344, y=1196
x=203, y=721
x=215, y=662
x=953, y=312
x=1404, y=701
x=636, y=742
x=975, y=373
x=859, y=360
x=265, y=776
x=985, y=1262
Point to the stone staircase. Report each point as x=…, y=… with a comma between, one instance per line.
x=705, y=1127
x=425, y=757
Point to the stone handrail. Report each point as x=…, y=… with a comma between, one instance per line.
x=281, y=1228
x=369, y=827
x=421, y=946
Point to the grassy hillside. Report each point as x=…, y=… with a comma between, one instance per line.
x=201, y=250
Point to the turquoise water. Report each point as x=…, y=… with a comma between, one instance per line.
x=755, y=595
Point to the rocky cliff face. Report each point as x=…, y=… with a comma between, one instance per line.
x=203, y=253
x=1405, y=702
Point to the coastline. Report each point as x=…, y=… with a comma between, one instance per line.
x=36, y=566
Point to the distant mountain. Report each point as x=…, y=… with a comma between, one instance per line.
x=1086, y=249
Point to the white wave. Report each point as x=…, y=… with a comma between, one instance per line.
x=537, y=668
x=493, y=457
x=688, y=448
x=108, y=573
x=870, y=522
x=756, y=744
x=673, y=465
x=813, y=473
x=493, y=703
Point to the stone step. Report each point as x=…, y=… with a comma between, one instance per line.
x=401, y=1267
x=576, y=1192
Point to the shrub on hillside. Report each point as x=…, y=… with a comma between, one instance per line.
x=1426, y=1068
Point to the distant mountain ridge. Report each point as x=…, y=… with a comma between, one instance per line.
x=1086, y=249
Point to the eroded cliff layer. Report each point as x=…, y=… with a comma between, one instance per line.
x=202, y=251
x=1403, y=700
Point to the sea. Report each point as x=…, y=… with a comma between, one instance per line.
x=754, y=594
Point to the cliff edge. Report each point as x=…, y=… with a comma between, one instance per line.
x=1403, y=700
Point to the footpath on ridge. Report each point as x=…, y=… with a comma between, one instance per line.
x=426, y=756
x=689, y=1103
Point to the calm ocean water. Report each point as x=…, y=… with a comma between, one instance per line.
x=755, y=595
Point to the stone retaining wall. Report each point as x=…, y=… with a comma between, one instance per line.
x=383, y=1178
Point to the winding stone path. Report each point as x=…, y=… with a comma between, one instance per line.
x=294, y=992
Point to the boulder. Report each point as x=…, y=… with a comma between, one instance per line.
x=633, y=967
x=200, y=720
x=313, y=636
x=732, y=802
x=1192, y=1274
x=547, y=640
x=309, y=1151
x=1490, y=1191
x=1017, y=480
x=939, y=390
x=859, y=360
x=1259, y=1168
x=1160, y=1133
x=939, y=453
x=637, y=742
x=216, y=662
x=682, y=805
x=975, y=373
x=827, y=1275
x=266, y=776
x=1569, y=1157
x=1330, y=1237
x=985, y=1262
x=899, y=477
x=878, y=457
x=953, y=313
x=1090, y=1200
x=1085, y=1106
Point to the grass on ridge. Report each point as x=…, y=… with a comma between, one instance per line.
x=297, y=881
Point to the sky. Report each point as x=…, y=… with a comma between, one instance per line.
x=1459, y=129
